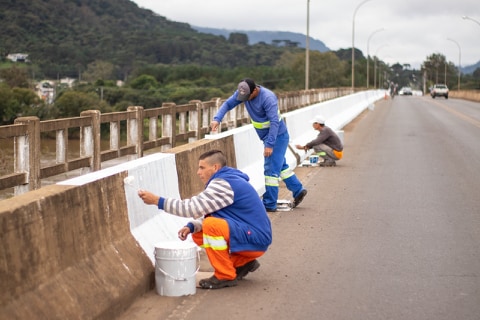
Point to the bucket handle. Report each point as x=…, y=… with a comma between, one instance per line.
x=185, y=278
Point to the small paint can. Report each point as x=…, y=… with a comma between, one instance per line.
x=313, y=159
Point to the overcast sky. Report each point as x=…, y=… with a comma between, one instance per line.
x=413, y=29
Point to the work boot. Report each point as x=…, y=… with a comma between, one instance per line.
x=299, y=198
x=246, y=268
x=214, y=283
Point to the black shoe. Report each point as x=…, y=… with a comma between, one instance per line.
x=299, y=198
x=328, y=163
x=271, y=209
x=246, y=268
x=214, y=283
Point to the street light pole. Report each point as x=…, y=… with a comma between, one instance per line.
x=307, y=47
x=368, y=55
x=459, y=59
x=353, y=43
x=375, y=65
x=468, y=18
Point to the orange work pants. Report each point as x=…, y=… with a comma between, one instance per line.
x=215, y=239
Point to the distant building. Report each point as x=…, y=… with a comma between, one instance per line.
x=68, y=82
x=46, y=91
x=18, y=57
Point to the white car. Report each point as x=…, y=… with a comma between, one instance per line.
x=439, y=90
x=406, y=91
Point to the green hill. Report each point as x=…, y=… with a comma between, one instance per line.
x=62, y=37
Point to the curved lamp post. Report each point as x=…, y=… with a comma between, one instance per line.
x=353, y=43
x=375, y=64
x=459, y=59
x=368, y=54
x=468, y=18
x=307, y=53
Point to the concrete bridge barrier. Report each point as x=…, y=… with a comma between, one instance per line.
x=472, y=95
x=67, y=253
x=83, y=249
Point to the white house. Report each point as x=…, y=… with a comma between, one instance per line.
x=18, y=57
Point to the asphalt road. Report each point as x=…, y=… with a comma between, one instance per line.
x=392, y=232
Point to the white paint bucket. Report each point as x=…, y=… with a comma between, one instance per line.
x=175, y=268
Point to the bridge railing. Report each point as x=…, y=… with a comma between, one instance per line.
x=129, y=133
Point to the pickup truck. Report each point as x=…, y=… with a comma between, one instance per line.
x=439, y=90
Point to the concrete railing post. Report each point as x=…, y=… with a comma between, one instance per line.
x=27, y=154
x=169, y=125
x=135, y=132
x=90, y=141
x=114, y=135
x=194, y=120
x=213, y=111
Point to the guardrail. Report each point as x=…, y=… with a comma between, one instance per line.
x=472, y=95
x=165, y=127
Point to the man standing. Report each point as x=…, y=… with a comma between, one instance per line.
x=327, y=144
x=262, y=107
x=230, y=220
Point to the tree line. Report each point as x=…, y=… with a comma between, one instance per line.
x=152, y=85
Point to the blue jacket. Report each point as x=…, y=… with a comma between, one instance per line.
x=262, y=108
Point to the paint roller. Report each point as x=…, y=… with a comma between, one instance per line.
x=130, y=181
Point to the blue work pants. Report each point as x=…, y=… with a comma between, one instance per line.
x=276, y=169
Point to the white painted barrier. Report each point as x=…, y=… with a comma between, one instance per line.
x=337, y=113
x=157, y=172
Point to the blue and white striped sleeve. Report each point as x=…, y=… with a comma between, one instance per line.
x=217, y=195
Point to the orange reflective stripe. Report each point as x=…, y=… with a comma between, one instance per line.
x=215, y=232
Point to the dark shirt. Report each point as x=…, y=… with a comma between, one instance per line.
x=329, y=137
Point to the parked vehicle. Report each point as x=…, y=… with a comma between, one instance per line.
x=439, y=90
x=406, y=91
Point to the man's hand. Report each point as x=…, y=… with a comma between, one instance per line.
x=148, y=197
x=183, y=233
x=267, y=152
x=214, y=125
x=300, y=147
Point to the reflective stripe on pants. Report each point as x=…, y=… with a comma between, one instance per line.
x=276, y=166
x=215, y=239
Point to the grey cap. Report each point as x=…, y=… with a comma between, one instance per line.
x=245, y=89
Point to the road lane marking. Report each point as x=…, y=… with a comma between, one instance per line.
x=459, y=115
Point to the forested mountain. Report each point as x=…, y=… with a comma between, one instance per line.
x=62, y=37
x=281, y=38
x=471, y=69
